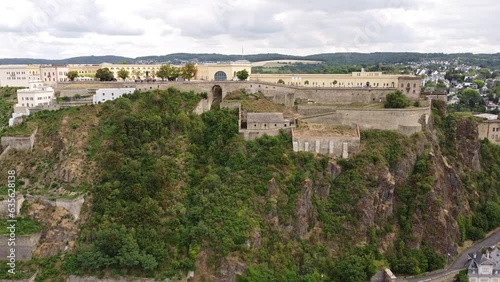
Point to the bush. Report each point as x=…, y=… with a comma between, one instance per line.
x=396, y=100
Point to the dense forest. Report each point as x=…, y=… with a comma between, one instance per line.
x=333, y=59
x=172, y=191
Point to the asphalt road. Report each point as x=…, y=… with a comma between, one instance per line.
x=459, y=263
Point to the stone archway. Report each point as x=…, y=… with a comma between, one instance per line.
x=216, y=97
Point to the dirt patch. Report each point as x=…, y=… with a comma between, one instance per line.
x=325, y=130
x=59, y=232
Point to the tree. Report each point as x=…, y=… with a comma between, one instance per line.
x=281, y=81
x=306, y=82
x=479, y=83
x=242, y=74
x=104, y=74
x=168, y=72
x=335, y=82
x=123, y=73
x=174, y=73
x=188, y=71
x=72, y=75
x=137, y=74
x=471, y=99
x=396, y=100
x=351, y=268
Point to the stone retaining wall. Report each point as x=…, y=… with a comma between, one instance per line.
x=25, y=245
x=24, y=143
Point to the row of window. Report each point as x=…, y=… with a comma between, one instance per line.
x=496, y=129
x=38, y=98
x=18, y=72
x=32, y=105
x=414, y=85
x=16, y=78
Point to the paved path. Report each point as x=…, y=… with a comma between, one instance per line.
x=459, y=263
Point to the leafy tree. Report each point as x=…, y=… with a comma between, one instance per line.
x=471, y=100
x=168, y=71
x=104, y=74
x=123, y=73
x=335, y=82
x=462, y=276
x=137, y=74
x=306, y=82
x=189, y=71
x=72, y=75
x=441, y=84
x=242, y=74
x=396, y=100
x=281, y=81
x=479, y=83
x=351, y=268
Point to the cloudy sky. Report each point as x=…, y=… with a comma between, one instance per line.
x=55, y=29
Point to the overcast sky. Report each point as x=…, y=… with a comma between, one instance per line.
x=56, y=29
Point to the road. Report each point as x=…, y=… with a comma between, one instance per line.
x=459, y=263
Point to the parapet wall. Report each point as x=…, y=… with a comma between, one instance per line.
x=338, y=146
x=25, y=245
x=338, y=95
x=24, y=143
x=406, y=121
x=280, y=94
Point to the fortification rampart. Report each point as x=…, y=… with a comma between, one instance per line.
x=280, y=94
x=405, y=121
x=24, y=143
x=340, y=146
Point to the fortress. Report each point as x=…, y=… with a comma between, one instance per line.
x=336, y=108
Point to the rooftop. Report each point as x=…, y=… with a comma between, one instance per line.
x=265, y=117
x=487, y=116
x=324, y=130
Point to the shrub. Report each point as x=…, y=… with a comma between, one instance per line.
x=396, y=100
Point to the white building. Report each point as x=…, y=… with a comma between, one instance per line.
x=109, y=94
x=484, y=267
x=54, y=74
x=14, y=75
x=34, y=96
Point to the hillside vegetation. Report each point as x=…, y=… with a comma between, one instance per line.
x=169, y=191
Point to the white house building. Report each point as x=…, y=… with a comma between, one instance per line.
x=109, y=94
x=34, y=96
x=53, y=74
x=18, y=75
x=484, y=267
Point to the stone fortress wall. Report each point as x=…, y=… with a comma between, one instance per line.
x=25, y=245
x=278, y=93
x=406, y=121
x=340, y=146
x=19, y=142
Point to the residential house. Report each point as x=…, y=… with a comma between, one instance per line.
x=484, y=266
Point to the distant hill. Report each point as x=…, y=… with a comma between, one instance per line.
x=485, y=60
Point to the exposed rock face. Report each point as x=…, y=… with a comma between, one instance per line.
x=230, y=268
x=378, y=205
x=467, y=144
x=59, y=232
x=305, y=215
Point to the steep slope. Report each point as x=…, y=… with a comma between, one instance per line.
x=171, y=192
